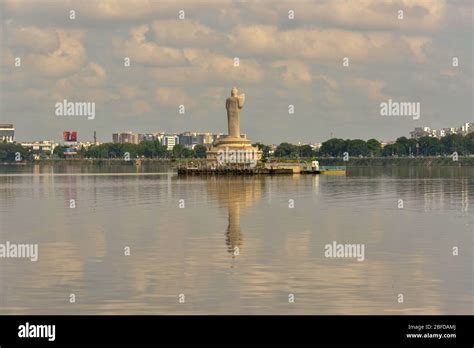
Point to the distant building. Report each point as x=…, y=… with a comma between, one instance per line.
x=170, y=141
x=124, y=138
x=146, y=137
x=216, y=137
x=191, y=139
x=447, y=131
x=419, y=132
x=385, y=143
x=467, y=128
x=87, y=144
x=7, y=133
x=40, y=146
x=188, y=139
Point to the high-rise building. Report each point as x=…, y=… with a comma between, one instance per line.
x=146, y=137
x=7, y=133
x=420, y=132
x=124, y=138
x=467, y=128
x=170, y=141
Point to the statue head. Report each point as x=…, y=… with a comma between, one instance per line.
x=233, y=92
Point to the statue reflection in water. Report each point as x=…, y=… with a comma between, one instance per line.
x=238, y=194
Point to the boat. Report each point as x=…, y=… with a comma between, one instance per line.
x=332, y=170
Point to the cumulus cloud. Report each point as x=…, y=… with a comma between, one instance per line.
x=329, y=45
x=33, y=39
x=172, y=96
x=417, y=44
x=87, y=84
x=91, y=75
x=186, y=64
x=112, y=10
x=292, y=72
x=68, y=58
x=419, y=15
x=298, y=60
x=187, y=33
x=141, y=107
x=128, y=91
x=141, y=51
x=373, y=88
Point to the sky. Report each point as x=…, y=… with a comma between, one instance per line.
x=183, y=53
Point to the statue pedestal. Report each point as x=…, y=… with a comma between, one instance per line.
x=234, y=151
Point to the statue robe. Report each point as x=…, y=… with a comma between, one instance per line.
x=233, y=106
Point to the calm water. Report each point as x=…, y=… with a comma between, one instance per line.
x=190, y=250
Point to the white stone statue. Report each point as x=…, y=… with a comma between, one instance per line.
x=233, y=105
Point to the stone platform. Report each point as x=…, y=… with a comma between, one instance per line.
x=233, y=146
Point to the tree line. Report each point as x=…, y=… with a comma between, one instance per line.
x=147, y=149
x=402, y=147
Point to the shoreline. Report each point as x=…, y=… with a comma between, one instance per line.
x=352, y=162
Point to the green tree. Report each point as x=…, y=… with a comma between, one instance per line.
x=389, y=150
x=160, y=149
x=401, y=146
x=430, y=146
x=356, y=147
x=454, y=143
x=286, y=150
x=374, y=147
x=59, y=151
x=147, y=149
x=200, y=151
x=411, y=143
x=264, y=148
x=9, y=151
x=305, y=151
x=132, y=149
x=333, y=147
x=469, y=143
x=180, y=151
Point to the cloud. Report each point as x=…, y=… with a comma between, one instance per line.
x=419, y=15
x=67, y=59
x=172, y=96
x=105, y=10
x=141, y=51
x=141, y=107
x=292, y=72
x=34, y=39
x=187, y=33
x=299, y=60
x=373, y=88
x=417, y=44
x=44, y=52
x=86, y=84
x=91, y=75
x=328, y=45
x=185, y=65
x=128, y=91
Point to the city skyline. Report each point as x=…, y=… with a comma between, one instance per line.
x=138, y=64
x=417, y=132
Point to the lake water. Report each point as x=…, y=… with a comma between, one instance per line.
x=236, y=245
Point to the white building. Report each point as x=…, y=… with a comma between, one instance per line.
x=170, y=140
x=40, y=146
x=467, y=128
x=7, y=133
